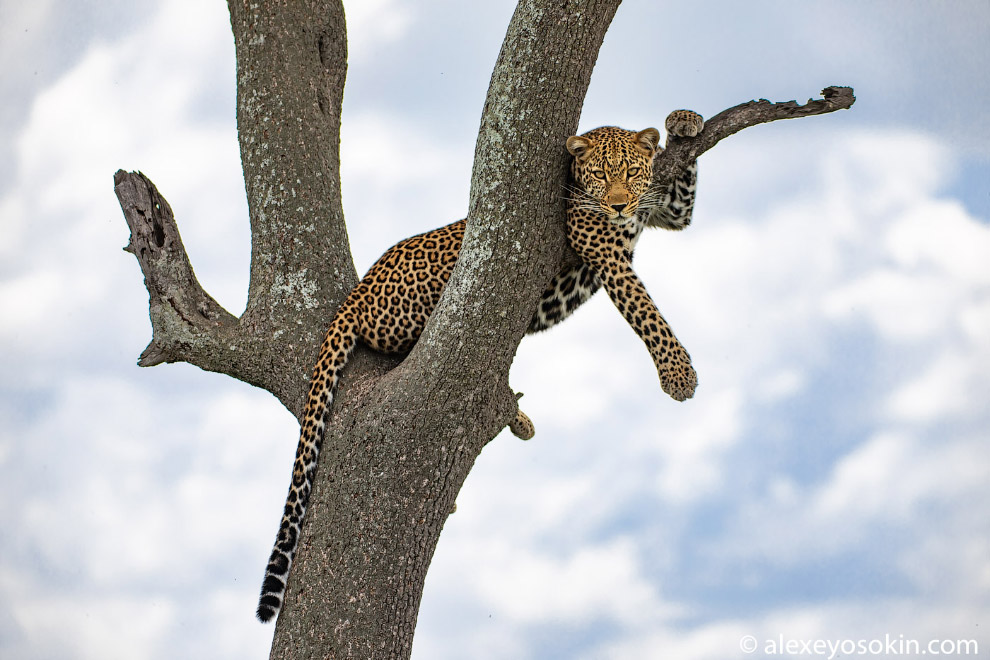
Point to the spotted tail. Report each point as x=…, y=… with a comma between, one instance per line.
x=335, y=351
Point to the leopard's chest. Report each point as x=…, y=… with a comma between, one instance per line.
x=598, y=239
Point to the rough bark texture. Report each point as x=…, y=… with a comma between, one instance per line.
x=291, y=65
x=188, y=324
x=401, y=439
x=396, y=455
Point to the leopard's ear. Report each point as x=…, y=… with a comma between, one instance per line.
x=648, y=139
x=578, y=146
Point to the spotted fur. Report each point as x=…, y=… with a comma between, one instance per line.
x=389, y=308
x=613, y=170
x=671, y=208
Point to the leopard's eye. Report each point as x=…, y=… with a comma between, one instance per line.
x=632, y=171
x=598, y=174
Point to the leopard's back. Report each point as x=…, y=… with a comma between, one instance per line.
x=403, y=287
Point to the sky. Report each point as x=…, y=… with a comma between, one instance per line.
x=826, y=486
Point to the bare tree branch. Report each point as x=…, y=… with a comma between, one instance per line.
x=188, y=325
x=156, y=244
x=682, y=151
x=184, y=317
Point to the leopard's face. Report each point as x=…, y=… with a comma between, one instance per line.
x=613, y=168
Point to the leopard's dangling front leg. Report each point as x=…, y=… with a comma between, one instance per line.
x=607, y=248
x=677, y=376
x=612, y=172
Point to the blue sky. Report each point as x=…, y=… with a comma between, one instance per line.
x=828, y=481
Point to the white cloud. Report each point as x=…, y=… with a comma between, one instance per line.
x=62, y=226
x=893, y=266
x=888, y=478
x=891, y=300
x=373, y=23
x=939, y=235
x=694, y=458
x=891, y=484
x=33, y=295
x=592, y=582
x=90, y=626
x=15, y=31
x=397, y=180
x=139, y=520
x=949, y=386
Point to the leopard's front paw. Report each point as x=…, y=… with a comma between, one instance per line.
x=684, y=123
x=679, y=380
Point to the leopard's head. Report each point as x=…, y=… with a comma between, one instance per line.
x=613, y=169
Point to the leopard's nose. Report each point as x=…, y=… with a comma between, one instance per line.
x=619, y=207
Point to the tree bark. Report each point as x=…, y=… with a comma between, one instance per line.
x=402, y=436
x=395, y=456
x=291, y=66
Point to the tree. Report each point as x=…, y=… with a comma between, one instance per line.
x=403, y=434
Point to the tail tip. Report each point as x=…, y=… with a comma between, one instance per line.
x=267, y=611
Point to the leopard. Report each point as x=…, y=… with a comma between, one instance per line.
x=608, y=205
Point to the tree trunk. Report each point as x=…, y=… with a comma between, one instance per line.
x=402, y=436
x=399, y=446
